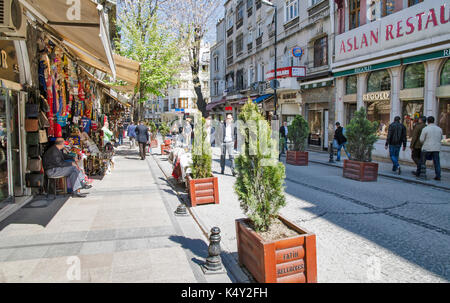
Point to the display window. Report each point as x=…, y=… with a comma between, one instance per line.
x=444, y=119
x=380, y=111
x=411, y=112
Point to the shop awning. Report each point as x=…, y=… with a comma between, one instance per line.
x=129, y=71
x=82, y=28
x=111, y=93
x=262, y=98
x=212, y=105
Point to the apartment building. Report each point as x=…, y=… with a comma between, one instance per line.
x=181, y=100
x=305, y=36
x=392, y=57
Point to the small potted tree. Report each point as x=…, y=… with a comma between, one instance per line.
x=273, y=249
x=164, y=130
x=153, y=131
x=361, y=136
x=298, y=133
x=203, y=187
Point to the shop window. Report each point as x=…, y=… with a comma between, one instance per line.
x=350, y=109
x=414, y=76
x=354, y=12
x=350, y=85
x=315, y=126
x=444, y=119
x=413, y=2
x=321, y=52
x=380, y=111
x=445, y=74
x=388, y=7
x=411, y=112
x=379, y=81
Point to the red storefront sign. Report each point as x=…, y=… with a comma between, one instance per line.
x=287, y=72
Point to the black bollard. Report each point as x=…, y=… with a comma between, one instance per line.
x=181, y=211
x=331, y=153
x=213, y=262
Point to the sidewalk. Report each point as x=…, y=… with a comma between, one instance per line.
x=124, y=231
x=385, y=170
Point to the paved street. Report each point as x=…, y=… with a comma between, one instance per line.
x=125, y=231
x=387, y=231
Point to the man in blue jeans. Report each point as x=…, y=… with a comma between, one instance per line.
x=431, y=137
x=339, y=136
x=394, y=141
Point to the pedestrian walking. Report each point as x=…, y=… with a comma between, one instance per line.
x=142, y=138
x=416, y=145
x=229, y=136
x=131, y=133
x=120, y=133
x=339, y=136
x=395, y=139
x=430, y=137
x=284, y=137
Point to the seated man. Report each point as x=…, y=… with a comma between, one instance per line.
x=56, y=166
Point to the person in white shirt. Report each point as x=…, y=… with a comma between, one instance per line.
x=229, y=136
x=431, y=138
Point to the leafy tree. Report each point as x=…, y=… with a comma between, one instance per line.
x=145, y=39
x=164, y=129
x=298, y=132
x=153, y=129
x=259, y=186
x=202, y=153
x=361, y=136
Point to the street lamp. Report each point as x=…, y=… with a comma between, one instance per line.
x=275, y=82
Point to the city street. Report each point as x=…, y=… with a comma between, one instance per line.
x=384, y=231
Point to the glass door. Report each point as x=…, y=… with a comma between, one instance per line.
x=4, y=154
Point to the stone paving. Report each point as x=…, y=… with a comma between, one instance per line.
x=385, y=231
x=124, y=231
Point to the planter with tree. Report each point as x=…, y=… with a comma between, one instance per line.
x=361, y=136
x=164, y=130
x=203, y=187
x=298, y=134
x=273, y=249
x=153, y=131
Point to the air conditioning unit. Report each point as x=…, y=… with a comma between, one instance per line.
x=13, y=24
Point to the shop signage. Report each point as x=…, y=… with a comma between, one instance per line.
x=287, y=72
x=228, y=108
x=414, y=24
x=377, y=96
x=9, y=67
x=297, y=52
x=290, y=98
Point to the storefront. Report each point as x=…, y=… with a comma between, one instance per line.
x=290, y=106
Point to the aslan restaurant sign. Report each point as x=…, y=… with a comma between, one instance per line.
x=417, y=23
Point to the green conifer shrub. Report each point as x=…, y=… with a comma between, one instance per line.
x=298, y=132
x=201, y=152
x=164, y=129
x=259, y=186
x=361, y=136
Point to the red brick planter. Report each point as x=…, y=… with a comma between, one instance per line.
x=290, y=260
x=203, y=191
x=360, y=171
x=297, y=158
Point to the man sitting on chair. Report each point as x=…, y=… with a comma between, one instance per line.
x=55, y=166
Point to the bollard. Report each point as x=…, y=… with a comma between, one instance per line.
x=213, y=263
x=331, y=153
x=181, y=211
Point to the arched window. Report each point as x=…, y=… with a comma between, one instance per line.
x=445, y=74
x=379, y=81
x=414, y=76
x=350, y=85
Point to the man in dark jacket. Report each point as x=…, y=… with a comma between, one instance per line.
x=142, y=138
x=395, y=139
x=228, y=136
x=131, y=133
x=55, y=165
x=283, y=135
x=341, y=141
x=416, y=145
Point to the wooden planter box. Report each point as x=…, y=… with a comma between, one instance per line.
x=297, y=158
x=361, y=171
x=154, y=143
x=290, y=260
x=203, y=191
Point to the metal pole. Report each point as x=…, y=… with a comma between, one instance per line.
x=275, y=116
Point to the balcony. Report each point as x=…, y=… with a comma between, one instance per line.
x=239, y=23
x=230, y=60
x=250, y=47
x=230, y=31
x=259, y=41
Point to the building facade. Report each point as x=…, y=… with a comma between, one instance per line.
x=392, y=58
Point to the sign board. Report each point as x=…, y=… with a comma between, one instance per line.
x=417, y=23
x=228, y=108
x=377, y=96
x=297, y=52
x=287, y=72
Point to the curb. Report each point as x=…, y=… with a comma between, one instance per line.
x=389, y=176
x=229, y=262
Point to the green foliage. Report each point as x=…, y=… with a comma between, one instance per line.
x=259, y=185
x=298, y=132
x=153, y=129
x=148, y=41
x=164, y=130
x=361, y=135
x=202, y=153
